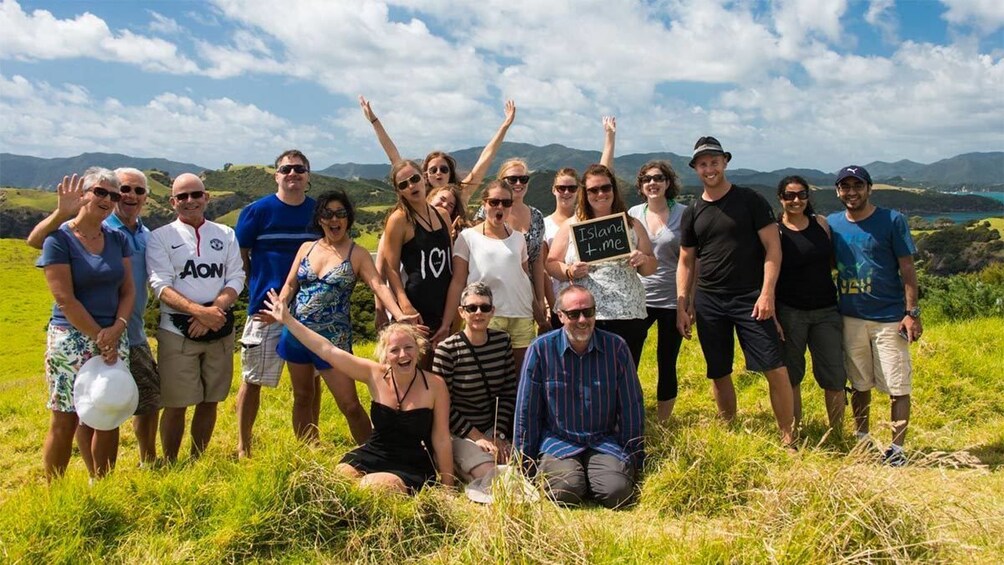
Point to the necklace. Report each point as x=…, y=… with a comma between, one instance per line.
x=399, y=397
x=76, y=230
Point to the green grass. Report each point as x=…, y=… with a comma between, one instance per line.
x=33, y=199
x=712, y=493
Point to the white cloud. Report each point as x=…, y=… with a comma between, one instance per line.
x=881, y=14
x=985, y=15
x=40, y=35
x=163, y=25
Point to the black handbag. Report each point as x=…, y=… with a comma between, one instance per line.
x=182, y=321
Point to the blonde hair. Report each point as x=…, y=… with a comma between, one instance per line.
x=400, y=328
x=510, y=163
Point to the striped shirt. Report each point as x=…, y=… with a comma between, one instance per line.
x=473, y=393
x=568, y=402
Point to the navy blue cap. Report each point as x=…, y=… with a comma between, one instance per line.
x=854, y=171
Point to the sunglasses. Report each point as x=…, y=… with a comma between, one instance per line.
x=566, y=188
x=328, y=213
x=517, y=179
x=286, y=169
x=496, y=202
x=472, y=308
x=575, y=314
x=105, y=193
x=126, y=189
x=435, y=170
x=645, y=179
x=602, y=189
x=413, y=179
x=790, y=196
x=195, y=195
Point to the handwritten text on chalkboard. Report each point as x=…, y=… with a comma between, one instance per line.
x=602, y=239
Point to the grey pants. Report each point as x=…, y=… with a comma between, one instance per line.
x=608, y=479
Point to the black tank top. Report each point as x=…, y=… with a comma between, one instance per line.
x=805, y=281
x=428, y=264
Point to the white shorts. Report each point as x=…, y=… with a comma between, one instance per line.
x=876, y=356
x=260, y=364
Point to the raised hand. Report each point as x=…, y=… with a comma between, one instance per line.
x=510, y=112
x=610, y=124
x=69, y=196
x=275, y=308
x=367, y=111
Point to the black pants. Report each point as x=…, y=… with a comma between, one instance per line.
x=633, y=331
x=667, y=350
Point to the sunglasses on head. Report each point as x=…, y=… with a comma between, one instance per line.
x=435, y=170
x=566, y=188
x=472, y=308
x=790, y=196
x=517, y=179
x=286, y=169
x=645, y=179
x=195, y=195
x=126, y=189
x=496, y=202
x=413, y=179
x=105, y=193
x=328, y=213
x=575, y=314
x=602, y=189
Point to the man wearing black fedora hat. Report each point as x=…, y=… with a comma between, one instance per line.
x=732, y=230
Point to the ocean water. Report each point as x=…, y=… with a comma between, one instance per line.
x=959, y=217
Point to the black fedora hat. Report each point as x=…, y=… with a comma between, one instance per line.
x=708, y=145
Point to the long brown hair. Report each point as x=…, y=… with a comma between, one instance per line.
x=583, y=210
x=402, y=204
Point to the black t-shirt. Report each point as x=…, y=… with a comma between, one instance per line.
x=805, y=281
x=725, y=235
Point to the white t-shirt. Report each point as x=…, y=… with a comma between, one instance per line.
x=499, y=264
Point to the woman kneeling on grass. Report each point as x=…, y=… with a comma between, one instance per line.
x=410, y=407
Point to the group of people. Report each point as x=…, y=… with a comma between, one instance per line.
x=470, y=373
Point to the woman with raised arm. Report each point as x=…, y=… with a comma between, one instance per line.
x=320, y=282
x=410, y=407
x=440, y=168
x=807, y=301
x=660, y=215
x=620, y=296
x=87, y=269
x=495, y=253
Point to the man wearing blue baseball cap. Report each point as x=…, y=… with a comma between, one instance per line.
x=877, y=290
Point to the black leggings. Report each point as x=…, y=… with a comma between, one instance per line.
x=633, y=331
x=667, y=350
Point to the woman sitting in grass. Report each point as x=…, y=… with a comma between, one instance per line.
x=410, y=407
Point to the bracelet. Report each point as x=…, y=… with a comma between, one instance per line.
x=568, y=273
x=374, y=120
x=124, y=321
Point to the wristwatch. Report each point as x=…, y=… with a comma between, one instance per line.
x=913, y=312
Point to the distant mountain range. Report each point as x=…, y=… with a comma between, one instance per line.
x=24, y=171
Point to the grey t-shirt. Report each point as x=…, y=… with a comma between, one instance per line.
x=660, y=286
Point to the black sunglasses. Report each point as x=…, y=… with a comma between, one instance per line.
x=602, y=189
x=790, y=196
x=126, y=189
x=472, y=308
x=298, y=169
x=645, y=179
x=566, y=188
x=574, y=314
x=495, y=202
x=517, y=179
x=195, y=195
x=413, y=179
x=328, y=213
x=105, y=193
x=434, y=170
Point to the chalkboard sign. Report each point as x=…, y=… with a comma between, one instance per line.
x=602, y=239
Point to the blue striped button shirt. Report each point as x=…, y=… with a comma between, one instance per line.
x=568, y=402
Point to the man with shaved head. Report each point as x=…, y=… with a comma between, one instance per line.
x=196, y=271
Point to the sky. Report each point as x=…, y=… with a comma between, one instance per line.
x=784, y=83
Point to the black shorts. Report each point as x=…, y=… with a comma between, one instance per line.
x=717, y=316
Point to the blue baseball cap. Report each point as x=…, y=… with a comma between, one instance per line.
x=854, y=171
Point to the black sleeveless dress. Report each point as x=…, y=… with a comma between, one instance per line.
x=428, y=263
x=401, y=444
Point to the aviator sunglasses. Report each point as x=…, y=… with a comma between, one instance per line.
x=472, y=308
x=413, y=179
x=286, y=169
x=105, y=193
x=574, y=314
x=186, y=195
x=126, y=189
x=435, y=170
x=790, y=196
x=328, y=213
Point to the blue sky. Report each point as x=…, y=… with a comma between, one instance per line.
x=801, y=83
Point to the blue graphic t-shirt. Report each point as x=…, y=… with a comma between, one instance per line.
x=273, y=231
x=869, y=285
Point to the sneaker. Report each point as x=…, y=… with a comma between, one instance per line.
x=894, y=457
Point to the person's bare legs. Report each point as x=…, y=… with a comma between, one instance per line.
x=664, y=409
x=725, y=397
x=383, y=481
x=145, y=428
x=104, y=450
x=315, y=415
x=85, y=436
x=900, y=418
x=781, y=402
x=796, y=401
x=203, y=424
x=344, y=390
x=836, y=405
x=172, y=429
x=248, y=400
x=301, y=375
x=58, y=443
x=861, y=402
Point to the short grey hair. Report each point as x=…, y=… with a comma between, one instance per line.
x=477, y=289
x=560, y=299
x=96, y=175
x=130, y=171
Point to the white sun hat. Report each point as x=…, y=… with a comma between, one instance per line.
x=104, y=395
x=502, y=481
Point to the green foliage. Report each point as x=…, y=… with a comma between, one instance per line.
x=964, y=297
x=960, y=249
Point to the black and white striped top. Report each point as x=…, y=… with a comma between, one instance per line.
x=473, y=395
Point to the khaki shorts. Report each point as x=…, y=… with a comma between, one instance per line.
x=144, y=372
x=260, y=364
x=877, y=357
x=522, y=331
x=193, y=372
x=467, y=455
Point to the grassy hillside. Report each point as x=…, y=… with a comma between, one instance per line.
x=711, y=494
